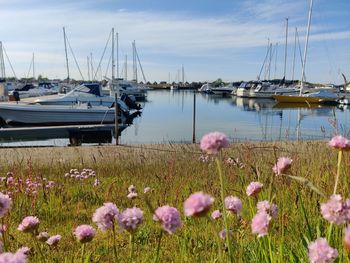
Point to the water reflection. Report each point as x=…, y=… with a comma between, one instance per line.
x=167, y=117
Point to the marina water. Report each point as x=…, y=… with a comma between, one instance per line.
x=167, y=117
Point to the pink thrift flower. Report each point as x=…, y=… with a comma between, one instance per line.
x=43, y=236
x=321, y=252
x=24, y=250
x=266, y=206
x=5, y=203
x=254, y=188
x=105, y=215
x=131, y=189
x=29, y=224
x=147, y=190
x=233, y=204
x=197, y=204
x=339, y=142
x=216, y=214
x=132, y=195
x=347, y=239
x=212, y=143
x=260, y=223
x=336, y=210
x=53, y=241
x=84, y=233
x=169, y=217
x=18, y=257
x=222, y=233
x=282, y=165
x=130, y=218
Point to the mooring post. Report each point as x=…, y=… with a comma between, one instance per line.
x=116, y=118
x=194, y=119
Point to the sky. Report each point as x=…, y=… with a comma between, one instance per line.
x=225, y=39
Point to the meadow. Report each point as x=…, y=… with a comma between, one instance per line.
x=52, y=185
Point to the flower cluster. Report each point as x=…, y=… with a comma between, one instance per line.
x=130, y=218
x=83, y=175
x=233, y=204
x=169, y=217
x=234, y=162
x=320, y=251
x=132, y=193
x=197, y=204
x=84, y=233
x=340, y=142
x=212, y=143
x=29, y=224
x=105, y=216
x=254, y=188
x=282, y=165
x=19, y=257
x=336, y=210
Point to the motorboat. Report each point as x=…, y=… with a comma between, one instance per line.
x=90, y=93
x=139, y=91
x=321, y=96
x=35, y=114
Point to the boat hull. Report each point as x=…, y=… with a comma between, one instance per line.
x=56, y=115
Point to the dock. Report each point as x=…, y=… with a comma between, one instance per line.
x=77, y=134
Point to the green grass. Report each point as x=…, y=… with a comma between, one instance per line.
x=174, y=172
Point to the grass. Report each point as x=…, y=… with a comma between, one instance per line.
x=174, y=172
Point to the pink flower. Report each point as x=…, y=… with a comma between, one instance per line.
x=18, y=257
x=130, y=218
x=282, y=165
x=216, y=214
x=321, y=252
x=84, y=233
x=233, y=204
x=347, y=239
x=336, y=210
x=260, y=223
x=339, y=142
x=169, y=218
x=43, y=236
x=29, y=224
x=5, y=203
x=131, y=189
x=222, y=233
x=197, y=204
x=53, y=241
x=266, y=206
x=132, y=195
x=24, y=250
x=147, y=190
x=254, y=188
x=105, y=215
x=212, y=143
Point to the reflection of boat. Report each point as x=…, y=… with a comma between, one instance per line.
x=17, y=113
x=287, y=105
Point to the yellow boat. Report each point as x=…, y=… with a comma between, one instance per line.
x=305, y=99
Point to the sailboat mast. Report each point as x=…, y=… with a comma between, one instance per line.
x=2, y=64
x=88, y=66
x=113, y=63
x=33, y=68
x=117, y=38
x=285, y=50
x=65, y=49
x=126, y=67
x=305, y=49
x=134, y=60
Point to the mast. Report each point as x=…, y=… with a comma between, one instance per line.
x=65, y=49
x=295, y=46
x=305, y=49
x=285, y=50
x=183, y=75
x=33, y=68
x=274, y=75
x=269, y=68
x=117, y=38
x=88, y=66
x=113, y=63
x=92, y=68
x=2, y=64
x=134, y=62
x=126, y=67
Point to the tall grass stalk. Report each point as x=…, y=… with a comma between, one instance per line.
x=156, y=258
x=131, y=247
x=228, y=242
x=114, y=243
x=340, y=154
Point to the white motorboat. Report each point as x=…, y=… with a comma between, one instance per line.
x=90, y=93
x=126, y=87
x=36, y=114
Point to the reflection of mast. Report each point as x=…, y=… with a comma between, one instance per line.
x=298, y=125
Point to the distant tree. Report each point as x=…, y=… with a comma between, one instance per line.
x=218, y=82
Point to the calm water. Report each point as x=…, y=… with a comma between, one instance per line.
x=167, y=117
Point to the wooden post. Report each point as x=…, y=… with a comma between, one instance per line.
x=116, y=118
x=194, y=119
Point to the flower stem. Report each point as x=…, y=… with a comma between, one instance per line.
x=4, y=238
x=158, y=246
x=39, y=249
x=82, y=252
x=114, y=244
x=223, y=209
x=340, y=154
x=131, y=247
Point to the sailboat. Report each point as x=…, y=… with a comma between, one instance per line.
x=318, y=97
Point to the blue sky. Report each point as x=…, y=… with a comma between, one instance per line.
x=212, y=39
